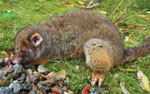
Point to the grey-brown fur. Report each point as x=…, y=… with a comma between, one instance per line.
x=65, y=35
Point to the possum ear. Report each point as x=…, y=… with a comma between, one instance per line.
x=36, y=39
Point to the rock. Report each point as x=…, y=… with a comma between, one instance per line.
x=42, y=69
x=49, y=81
x=26, y=66
x=12, y=76
x=29, y=72
x=32, y=91
x=21, y=78
x=18, y=69
x=43, y=87
x=27, y=86
x=35, y=77
x=93, y=91
x=15, y=87
x=5, y=90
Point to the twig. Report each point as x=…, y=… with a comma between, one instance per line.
x=116, y=8
x=90, y=3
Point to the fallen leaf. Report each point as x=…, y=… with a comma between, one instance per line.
x=4, y=25
x=86, y=89
x=141, y=16
x=80, y=2
x=125, y=12
x=122, y=69
x=71, y=4
x=54, y=91
x=136, y=6
x=8, y=67
x=61, y=75
x=1, y=2
x=34, y=86
x=124, y=90
x=143, y=80
x=103, y=12
x=1, y=34
x=9, y=55
x=147, y=18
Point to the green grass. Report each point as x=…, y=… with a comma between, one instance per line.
x=29, y=12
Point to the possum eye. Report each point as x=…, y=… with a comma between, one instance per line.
x=24, y=50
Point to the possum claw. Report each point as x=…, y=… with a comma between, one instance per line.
x=96, y=77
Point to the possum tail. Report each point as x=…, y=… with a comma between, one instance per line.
x=133, y=53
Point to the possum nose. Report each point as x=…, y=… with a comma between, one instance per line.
x=17, y=60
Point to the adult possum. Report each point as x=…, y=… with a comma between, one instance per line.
x=76, y=34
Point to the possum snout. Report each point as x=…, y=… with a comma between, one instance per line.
x=17, y=60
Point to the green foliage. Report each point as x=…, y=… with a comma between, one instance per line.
x=143, y=4
x=26, y=12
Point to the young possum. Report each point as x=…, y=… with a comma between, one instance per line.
x=76, y=34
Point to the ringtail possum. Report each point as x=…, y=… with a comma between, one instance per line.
x=78, y=34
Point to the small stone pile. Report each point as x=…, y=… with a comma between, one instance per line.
x=21, y=79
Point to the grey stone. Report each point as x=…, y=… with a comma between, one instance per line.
x=32, y=92
x=15, y=87
x=27, y=86
x=18, y=69
x=5, y=90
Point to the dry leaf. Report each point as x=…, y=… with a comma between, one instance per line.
x=34, y=86
x=61, y=75
x=143, y=80
x=124, y=90
x=8, y=67
x=54, y=91
x=86, y=89
x=9, y=55
x=71, y=4
x=122, y=69
x=4, y=25
x=125, y=12
x=80, y=2
x=141, y=16
x=147, y=18
x=103, y=12
x=1, y=2
x=1, y=34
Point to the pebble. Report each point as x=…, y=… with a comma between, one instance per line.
x=42, y=68
x=18, y=69
x=15, y=87
x=27, y=86
x=26, y=66
x=21, y=78
x=29, y=72
x=35, y=77
x=5, y=90
x=32, y=91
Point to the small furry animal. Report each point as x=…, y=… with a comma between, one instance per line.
x=76, y=34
